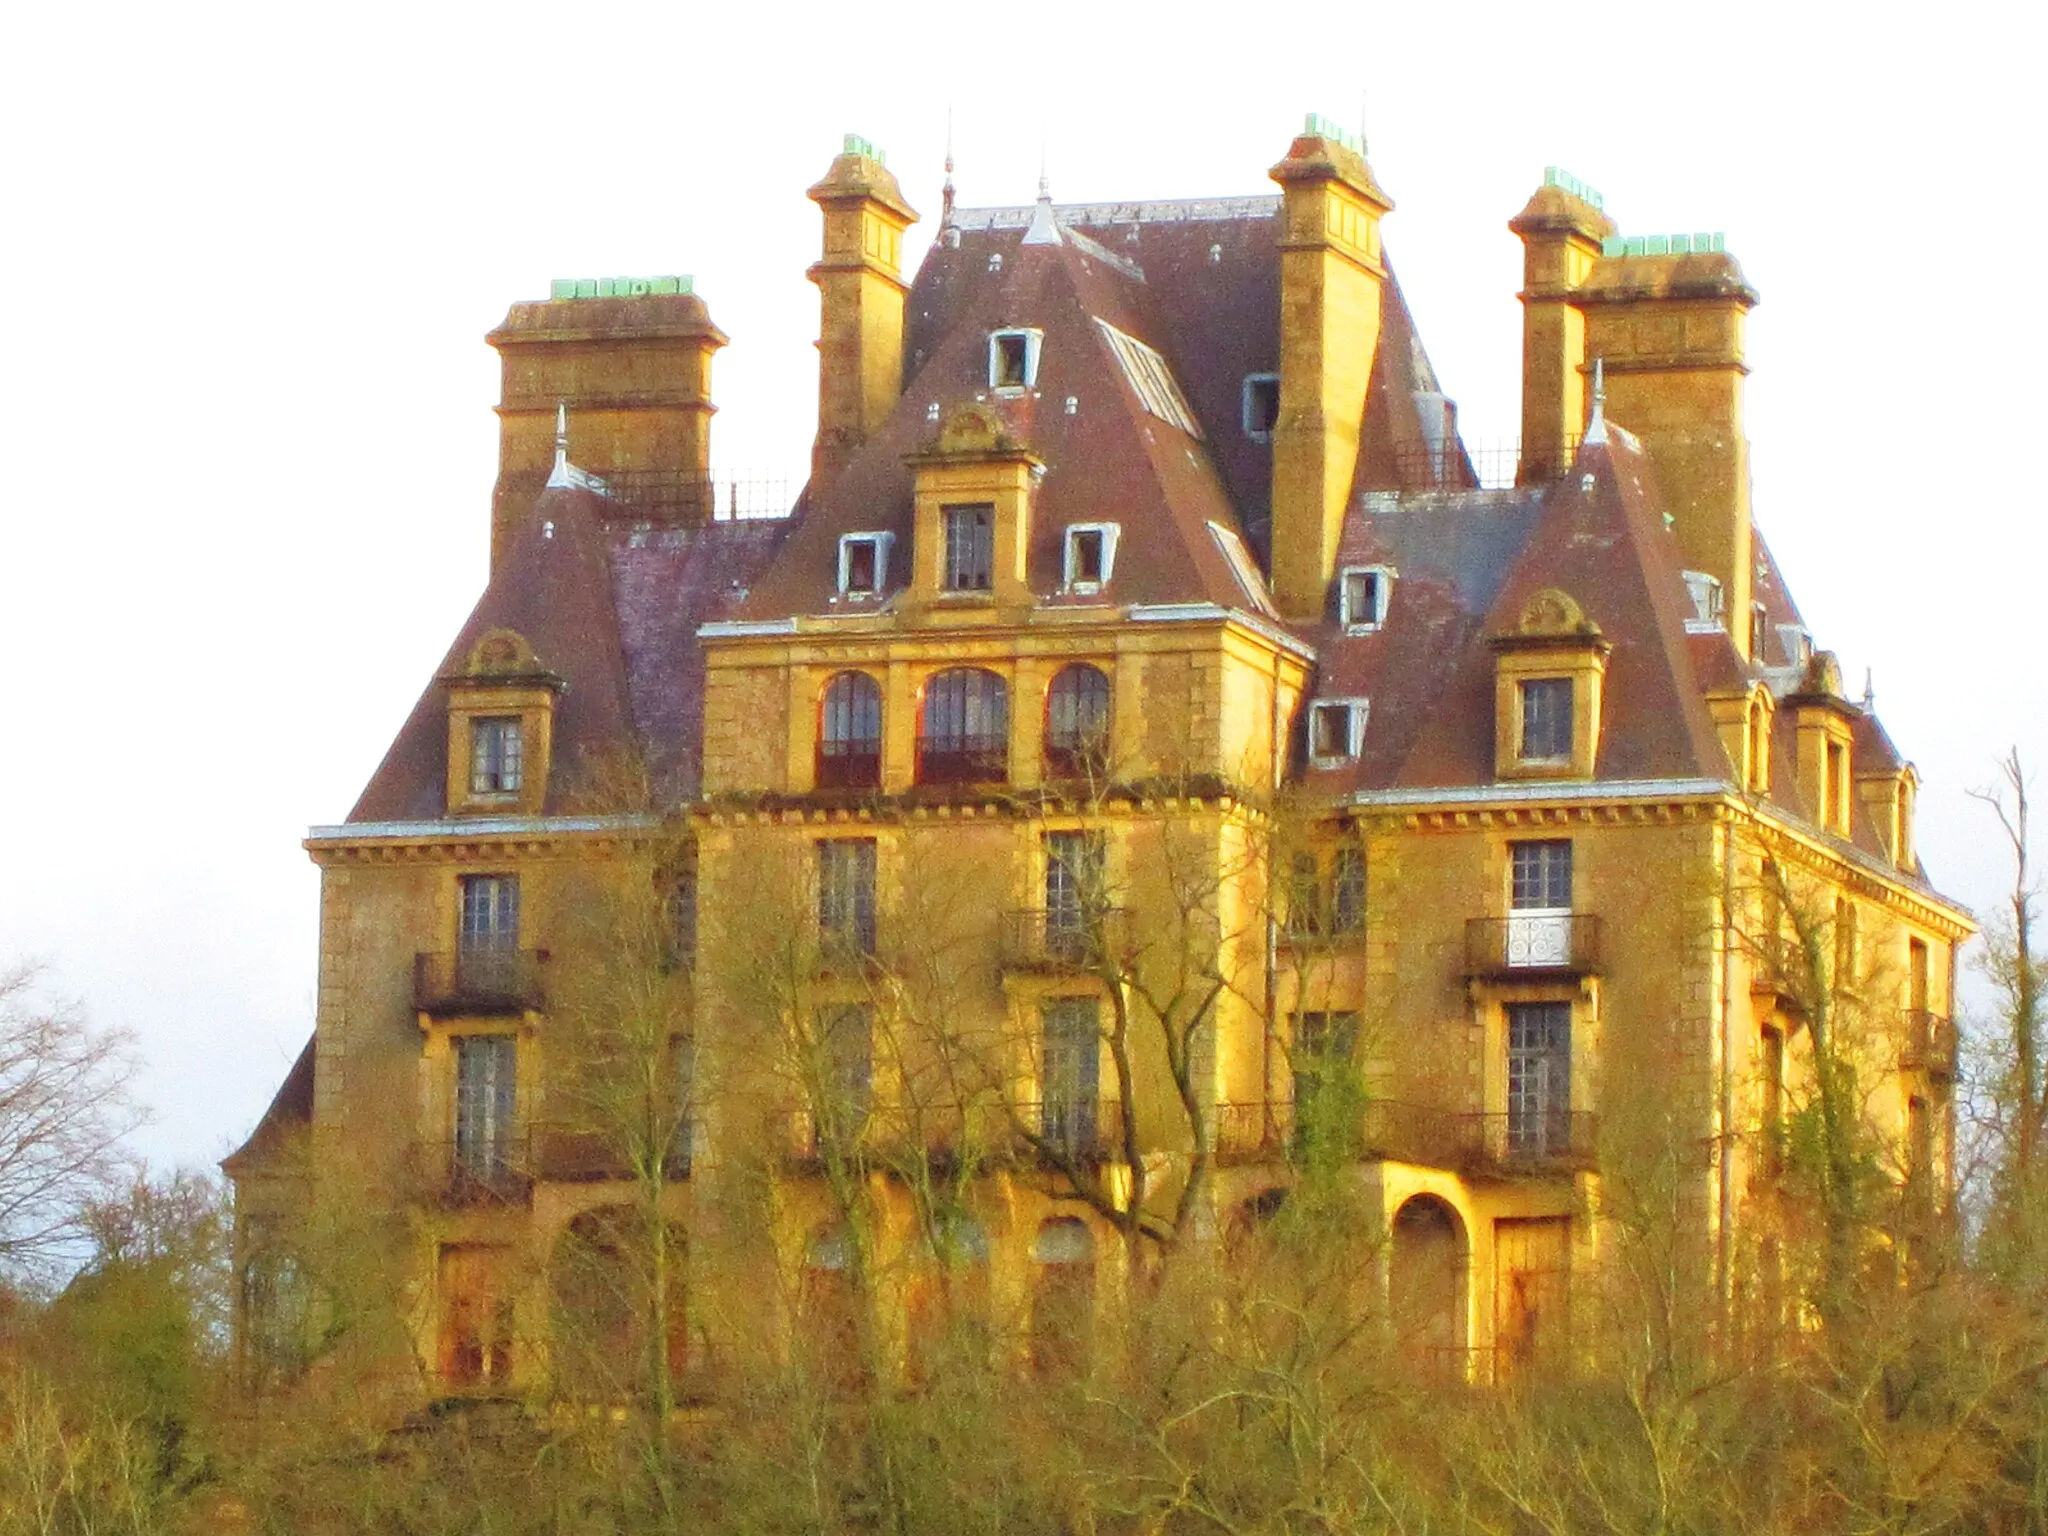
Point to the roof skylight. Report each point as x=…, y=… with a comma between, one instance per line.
x=1152, y=379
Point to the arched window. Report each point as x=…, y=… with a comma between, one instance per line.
x=1077, y=723
x=1062, y=1297
x=963, y=733
x=850, y=733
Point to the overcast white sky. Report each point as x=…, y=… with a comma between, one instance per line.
x=250, y=254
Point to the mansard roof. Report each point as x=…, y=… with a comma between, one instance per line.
x=612, y=609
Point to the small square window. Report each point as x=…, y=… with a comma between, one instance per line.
x=1546, y=719
x=496, y=755
x=1261, y=406
x=1013, y=359
x=863, y=563
x=1362, y=597
x=1336, y=730
x=970, y=548
x=1090, y=555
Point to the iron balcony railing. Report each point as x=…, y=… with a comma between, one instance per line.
x=1931, y=1045
x=1077, y=1129
x=1065, y=939
x=574, y=1154
x=954, y=760
x=478, y=981
x=469, y=1170
x=850, y=769
x=1389, y=1130
x=1533, y=944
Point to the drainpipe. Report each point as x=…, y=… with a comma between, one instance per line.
x=1268, y=1129
x=1724, y=1258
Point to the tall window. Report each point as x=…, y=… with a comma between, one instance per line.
x=964, y=729
x=846, y=1086
x=496, y=749
x=1347, y=891
x=682, y=1057
x=1546, y=718
x=486, y=1105
x=487, y=940
x=846, y=898
x=1071, y=1064
x=1540, y=896
x=1324, y=1047
x=970, y=548
x=1539, y=1078
x=1074, y=892
x=850, y=733
x=1077, y=722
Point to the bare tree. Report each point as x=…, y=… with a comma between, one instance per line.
x=64, y=1108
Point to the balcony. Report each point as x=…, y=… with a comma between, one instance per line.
x=1499, y=1145
x=464, y=1171
x=571, y=1154
x=856, y=767
x=478, y=981
x=1077, y=1131
x=1059, y=939
x=1931, y=1045
x=1532, y=945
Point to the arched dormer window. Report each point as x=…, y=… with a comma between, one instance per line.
x=963, y=729
x=1077, y=723
x=850, y=733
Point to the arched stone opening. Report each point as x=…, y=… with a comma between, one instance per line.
x=1427, y=1282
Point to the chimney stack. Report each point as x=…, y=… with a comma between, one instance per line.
x=630, y=360
x=1330, y=289
x=861, y=295
x=1665, y=315
x=1561, y=229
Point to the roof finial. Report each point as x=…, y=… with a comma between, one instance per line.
x=1869, y=693
x=1042, y=231
x=946, y=195
x=560, y=476
x=1361, y=120
x=1596, y=423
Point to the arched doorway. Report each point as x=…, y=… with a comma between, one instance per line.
x=1426, y=1284
x=603, y=1276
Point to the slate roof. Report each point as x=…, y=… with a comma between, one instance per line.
x=615, y=610
x=290, y=1112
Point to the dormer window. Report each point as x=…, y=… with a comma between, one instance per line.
x=864, y=563
x=1013, y=359
x=496, y=754
x=970, y=548
x=1362, y=598
x=1090, y=556
x=1261, y=406
x=1705, y=592
x=1336, y=731
x=501, y=704
x=1546, y=719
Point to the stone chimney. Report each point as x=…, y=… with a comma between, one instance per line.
x=1665, y=315
x=1561, y=229
x=861, y=294
x=630, y=361
x=1330, y=288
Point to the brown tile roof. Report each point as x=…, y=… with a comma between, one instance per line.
x=614, y=611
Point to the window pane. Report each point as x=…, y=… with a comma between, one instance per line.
x=964, y=728
x=490, y=912
x=1539, y=1077
x=846, y=897
x=1072, y=1052
x=846, y=1042
x=1541, y=875
x=1077, y=720
x=1547, y=717
x=486, y=1097
x=850, y=733
x=970, y=548
x=1347, y=891
x=496, y=751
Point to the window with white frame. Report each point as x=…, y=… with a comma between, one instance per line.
x=1090, y=556
x=864, y=563
x=1546, y=719
x=1013, y=358
x=1539, y=1090
x=496, y=755
x=1362, y=592
x=1336, y=730
x=486, y=1102
x=1261, y=406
